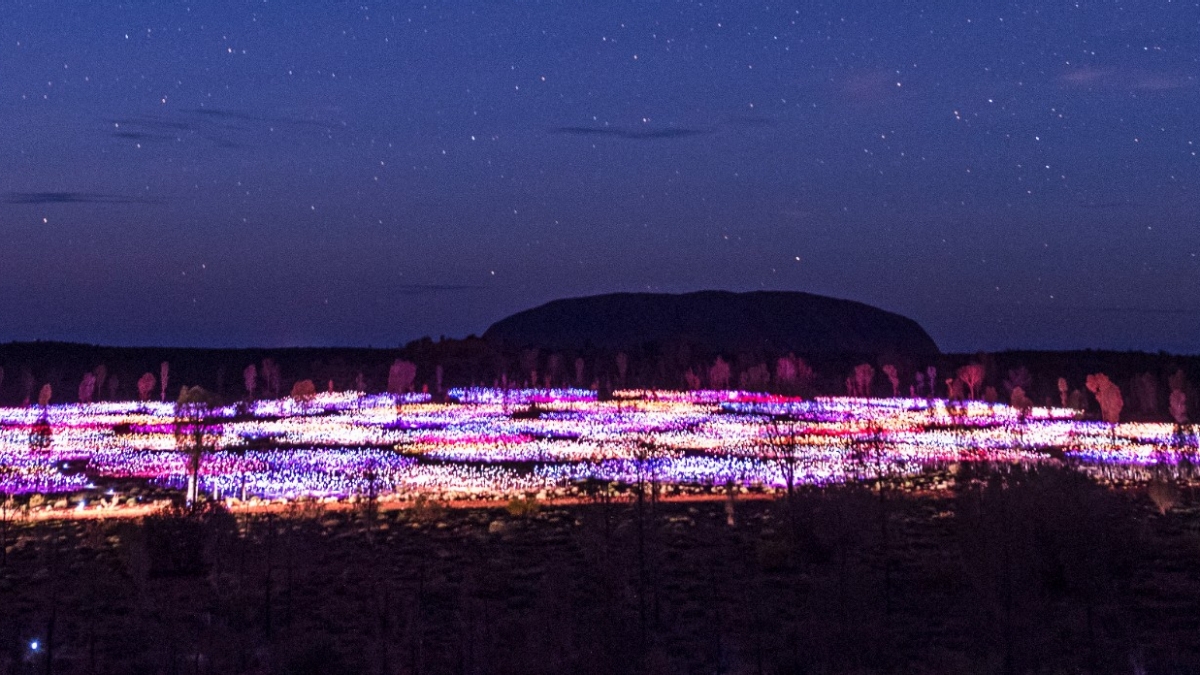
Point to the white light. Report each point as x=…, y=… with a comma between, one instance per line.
x=34, y=645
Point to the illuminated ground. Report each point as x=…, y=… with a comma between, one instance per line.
x=490, y=444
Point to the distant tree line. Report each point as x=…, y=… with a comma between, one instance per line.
x=1111, y=385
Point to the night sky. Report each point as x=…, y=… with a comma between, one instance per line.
x=328, y=173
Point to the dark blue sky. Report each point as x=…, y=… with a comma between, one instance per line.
x=312, y=173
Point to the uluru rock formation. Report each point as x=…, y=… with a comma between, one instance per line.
x=722, y=320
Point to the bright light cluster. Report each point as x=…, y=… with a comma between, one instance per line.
x=487, y=443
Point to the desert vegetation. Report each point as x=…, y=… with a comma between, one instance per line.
x=1006, y=569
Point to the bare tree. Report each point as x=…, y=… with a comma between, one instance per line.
x=893, y=378
x=1062, y=391
x=755, y=378
x=1178, y=400
x=87, y=388
x=622, y=367
x=41, y=435
x=954, y=389
x=529, y=365
x=250, y=379
x=1145, y=392
x=1018, y=377
x=101, y=374
x=972, y=375
x=691, y=379
x=553, y=368
x=785, y=372
x=28, y=382
x=164, y=369
x=1179, y=407
x=718, y=374
x=864, y=375
x=579, y=365
x=781, y=447
x=44, y=395
x=1020, y=401
x=272, y=377
x=195, y=434
x=647, y=456
x=793, y=375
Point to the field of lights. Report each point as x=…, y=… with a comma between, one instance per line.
x=493, y=444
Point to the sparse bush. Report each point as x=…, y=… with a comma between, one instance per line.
x=519, y=507
x=425, y=510
x=179, y=540
x=1163, y=493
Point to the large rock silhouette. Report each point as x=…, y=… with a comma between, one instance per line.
x=721, y=320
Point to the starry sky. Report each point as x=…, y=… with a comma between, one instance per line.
x=269, y=173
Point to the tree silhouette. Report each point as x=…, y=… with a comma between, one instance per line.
x=401, y=376
x=1108, y=395
x=893, y=378
x=250, y=379
x=195, y=433
x=864, y=375
x=145, y=386
x=87, y=388
x=718, y=374
x=972, y=375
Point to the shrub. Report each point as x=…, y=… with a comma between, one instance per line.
x=180, y=540
x=1164, y=494
x=519, y=507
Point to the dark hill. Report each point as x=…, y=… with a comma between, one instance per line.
x=721, y=320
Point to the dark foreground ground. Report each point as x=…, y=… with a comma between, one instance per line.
x=1028, y=572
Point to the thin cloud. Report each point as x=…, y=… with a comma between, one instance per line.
x=238, y=116
x=151, y=123
x=426, y=289
x=226, y=129
x=1124, y=79
x=142, y=136
x=631, y=134
x=752, y=121
x=69, y=198
x=1181, y=311
x=1108, y=205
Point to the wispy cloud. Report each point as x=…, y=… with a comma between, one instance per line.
x=632, y=134
x=1124, y=79
x=1123, y=204
x=1181, y=311
x=250, y=118
x=142, y=136
x=223, y=128
x=752, y=121
x=427, y=289
x=69, y=198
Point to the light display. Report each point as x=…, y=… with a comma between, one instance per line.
x=491, y=443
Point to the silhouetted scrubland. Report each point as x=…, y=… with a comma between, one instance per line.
x=1013, y=570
